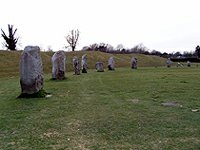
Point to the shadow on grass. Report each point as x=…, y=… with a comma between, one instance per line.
x=40, y=94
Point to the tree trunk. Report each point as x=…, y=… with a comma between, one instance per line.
x=73, y=48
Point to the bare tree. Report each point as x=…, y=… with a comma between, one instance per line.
x=72, y=38
x=10, y=40
x=120, y=47
x=140, y=48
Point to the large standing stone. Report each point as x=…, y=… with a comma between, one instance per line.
x=111, y=63
x=134, y=63
x=31, y=70
x=76, y=64
x=58, y=65
x=84, y=63
x=168, y=62
x=99, y=67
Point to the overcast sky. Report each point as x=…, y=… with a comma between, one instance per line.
x=164, y=25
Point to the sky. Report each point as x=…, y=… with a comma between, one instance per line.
x=163, y=25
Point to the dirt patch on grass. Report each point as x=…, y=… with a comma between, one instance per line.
x=51, y=134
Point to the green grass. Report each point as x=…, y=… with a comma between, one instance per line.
x=111, y=110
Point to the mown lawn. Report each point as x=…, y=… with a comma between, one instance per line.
x=111, y=110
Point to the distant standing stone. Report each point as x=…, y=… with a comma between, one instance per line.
x=188, y=63
x=84, y=63
x=31, y=70
x=58, y=65
x=111, y=63
x=99, y=67
x=134, y=63
x=76, y=65
x=168, y=62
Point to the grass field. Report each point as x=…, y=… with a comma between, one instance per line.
x=111, y=110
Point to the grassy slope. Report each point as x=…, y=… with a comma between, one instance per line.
x=112, y=110
x=9, y=61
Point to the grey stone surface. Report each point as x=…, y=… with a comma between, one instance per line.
x=134, y=63
x=111, y=63
x=76, y=65
x=31, y=70
x=188, y=63
x=168, y=62
x=99, y=66
x=58, y=65
x=84, y=65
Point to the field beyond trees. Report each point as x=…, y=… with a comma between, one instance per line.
x=119, y=109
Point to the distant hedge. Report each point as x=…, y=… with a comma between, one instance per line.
x=191, y=59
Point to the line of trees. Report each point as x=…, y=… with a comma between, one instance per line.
x=104, y=47
x=138, y=49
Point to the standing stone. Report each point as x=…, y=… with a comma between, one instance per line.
x=76, y=65
x=31, y=70
x=111, y=63
x=99, y=67
x=84, y=63
x=134, y=63
x=58, y=65
x=168, y=62
x=188, y=63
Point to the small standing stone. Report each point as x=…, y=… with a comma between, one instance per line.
x=76, y=65
x=134, y=63
x=188, y=63
x=168, y=62
x=31, y=70
x=58, y=65
x=111, y=63
x=84, y=63
x=99, y=67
